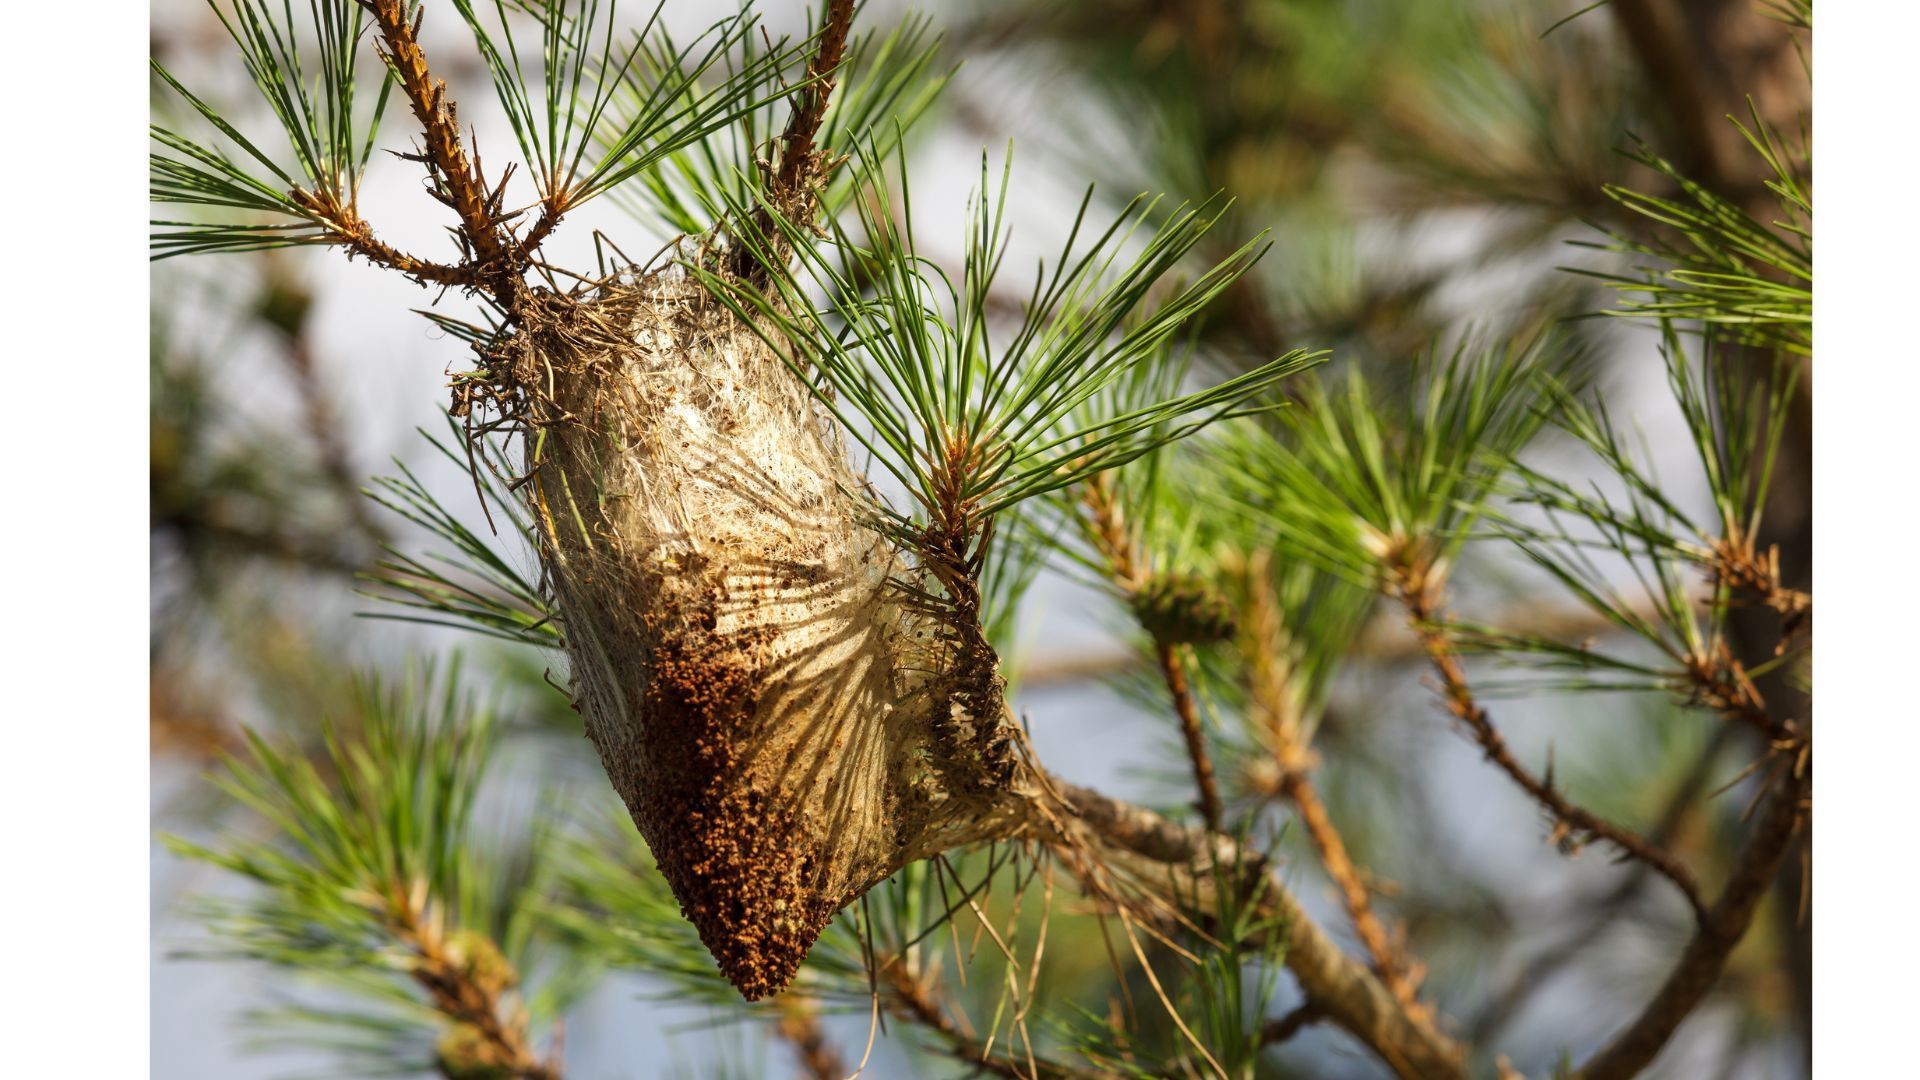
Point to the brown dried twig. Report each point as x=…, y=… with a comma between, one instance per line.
x=1422, y=595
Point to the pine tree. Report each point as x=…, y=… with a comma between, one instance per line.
x=772, y=497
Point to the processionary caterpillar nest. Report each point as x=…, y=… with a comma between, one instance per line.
x=784, y=729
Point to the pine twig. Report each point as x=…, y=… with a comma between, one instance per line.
x=1128, y=572
x=792, y=181
x=1422, y=597
x=467, y=990
x=800, y=165
x=462, y=187
x=1293, y=758
x=347, y=229
x=1604, y=910
x=1722, y=928
x=1174, y=673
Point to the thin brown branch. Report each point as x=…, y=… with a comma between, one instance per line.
x=1343, y=989
x=460, y=184
x=801, y=165
x=467, y=979
x=799, y=1024
x=1720, y=931
x=1421, y=595
x=1274, y=703
x=347, y=229
x=1605, y=909
x=1175, y=675
x=1116, y=544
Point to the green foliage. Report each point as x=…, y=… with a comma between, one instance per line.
x=374, y=857
x=310, y=86
x=914, y=373
x=1317, y=617
x=598, y=113
x=1736, y=424
x=610, y=903
x=594, y=115
x=1219, y=1015
x=474, y=586
x=1009, y=406
x=1722, y=267
x=886, y=82
x=385, y=823
x=1360, y=475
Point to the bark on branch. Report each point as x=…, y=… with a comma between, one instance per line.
x=1421, y=598
x=1720, y=931
x=461, y=187
x=1270, y=677
x=1341, y=988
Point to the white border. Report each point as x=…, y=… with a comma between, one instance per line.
x=73, y=772
x=1866, y=418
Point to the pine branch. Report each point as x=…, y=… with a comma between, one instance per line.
x=342, y=225
x=1344, y=990
x=461, y=186
x=1273, y=701
x=372, y=878
x=800, y=166
x=1174, y=673
x=1603, y=910
x=1129, y=573
x=1421, y=593
x=1722, y=928
x=464, y=977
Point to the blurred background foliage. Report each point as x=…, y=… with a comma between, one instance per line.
x=1425, y=169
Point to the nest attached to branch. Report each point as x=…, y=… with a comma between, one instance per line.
x=785, y=729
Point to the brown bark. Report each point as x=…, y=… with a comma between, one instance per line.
x=1724, y=927
x=1344, y=991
